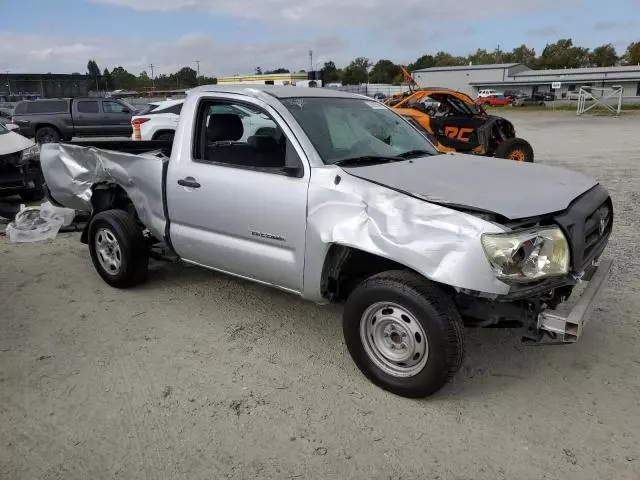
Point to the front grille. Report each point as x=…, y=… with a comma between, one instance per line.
x=597, y=228
x=587, y=223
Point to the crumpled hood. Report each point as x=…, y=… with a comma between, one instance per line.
x=512, y=189
x=12, y=142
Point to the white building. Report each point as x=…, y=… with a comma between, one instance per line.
x=294, y=79
x=515, y=76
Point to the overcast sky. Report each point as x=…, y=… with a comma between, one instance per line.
x=235, y=36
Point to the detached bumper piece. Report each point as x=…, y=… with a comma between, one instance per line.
x=568, y=329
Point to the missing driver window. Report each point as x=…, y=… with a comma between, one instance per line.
x=241, y=135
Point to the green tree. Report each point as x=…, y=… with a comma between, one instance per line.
x=107, y=80
x=258, y=71
x=122, y=79
x=277, y=70
x=632, y=54
x=425, y=61
x=331, y=73
x=93, y=71
x=384, y=71
x=357, y=72
x=563, y=54
x=603, y=56
x=482, y=57
x=521, y=54
x=144, y=80
x=444, y=59
x=187, y=77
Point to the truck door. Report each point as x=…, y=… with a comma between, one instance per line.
x=86, y=117
x=233, y=205
x=116, y=118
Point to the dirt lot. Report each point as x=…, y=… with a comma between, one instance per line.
x=199, y=376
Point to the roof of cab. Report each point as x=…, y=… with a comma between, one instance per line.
x=276, y=91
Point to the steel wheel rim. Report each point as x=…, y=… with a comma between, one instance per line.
x=108, y=251
x=394, y=340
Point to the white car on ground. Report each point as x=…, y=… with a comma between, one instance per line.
x=488, y=93
x=160, y=120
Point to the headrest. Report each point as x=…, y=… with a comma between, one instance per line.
x=263, y=143
x=224, y=127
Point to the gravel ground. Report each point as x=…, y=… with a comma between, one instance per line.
x=196, y=375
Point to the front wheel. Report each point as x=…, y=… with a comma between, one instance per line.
x=118, y=248
x=403, y=333
x=515, y=149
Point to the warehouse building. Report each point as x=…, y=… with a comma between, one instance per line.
x=19, y=86
x=302, y=79
x=516, y=76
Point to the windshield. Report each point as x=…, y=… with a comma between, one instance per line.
x=343, y=128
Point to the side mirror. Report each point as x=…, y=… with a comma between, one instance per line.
x=126, y=110
x=11, y=127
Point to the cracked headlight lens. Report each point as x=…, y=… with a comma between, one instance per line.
x=528, y=255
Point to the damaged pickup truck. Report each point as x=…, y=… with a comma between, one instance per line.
x=341, y=199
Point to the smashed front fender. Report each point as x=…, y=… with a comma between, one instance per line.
x=440, y=243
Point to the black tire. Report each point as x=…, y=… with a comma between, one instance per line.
x=437, y=317
x=47, y=135
x=133, y=252
x=515, y=149
x=165, y=137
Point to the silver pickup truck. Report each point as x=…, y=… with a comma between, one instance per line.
x=334, y=197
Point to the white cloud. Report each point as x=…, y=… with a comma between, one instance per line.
x=59, y=54
x=339, y=13
x=400, y=33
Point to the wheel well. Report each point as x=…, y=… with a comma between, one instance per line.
x=43, y=125
x=160, y=132
x=345, y=267
x=109, y=196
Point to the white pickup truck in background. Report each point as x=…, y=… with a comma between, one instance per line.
x=334, y=197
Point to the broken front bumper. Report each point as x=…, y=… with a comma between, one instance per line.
x=567, y=329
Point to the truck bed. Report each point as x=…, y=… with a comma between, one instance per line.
x=73, y=169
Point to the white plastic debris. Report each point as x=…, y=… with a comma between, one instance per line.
x=33, y=224
x=49, y=211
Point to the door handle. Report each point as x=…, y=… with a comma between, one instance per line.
x=189, y=182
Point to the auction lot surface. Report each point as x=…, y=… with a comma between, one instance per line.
x=196, y=375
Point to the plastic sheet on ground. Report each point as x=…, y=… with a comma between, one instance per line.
x=33, y=224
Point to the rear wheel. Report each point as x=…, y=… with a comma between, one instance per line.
x=118, y=248
x=403, y=333
x=515, y=149
x=47, y=135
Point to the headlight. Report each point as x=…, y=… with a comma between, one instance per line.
x=528, y=255
x=31, y=153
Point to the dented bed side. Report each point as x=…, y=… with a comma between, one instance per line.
x=71, y=171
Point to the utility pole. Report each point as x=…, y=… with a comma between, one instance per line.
x=198, y=74
x=311, y=59
x=153, y=80
x=8, y=82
